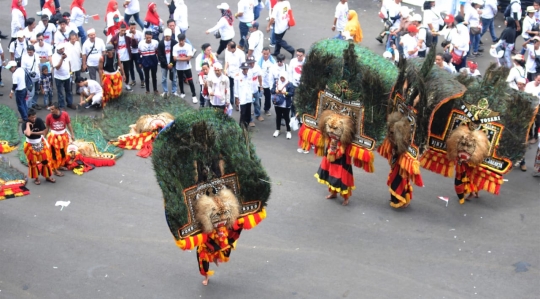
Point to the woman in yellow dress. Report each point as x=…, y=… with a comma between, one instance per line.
x=353, y=27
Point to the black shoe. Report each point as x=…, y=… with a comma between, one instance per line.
x=275, y=54
x=292, y=54
x=481, y=43
x=88, y=105
x=379, y=39
x=480, y=49
x=37, y=107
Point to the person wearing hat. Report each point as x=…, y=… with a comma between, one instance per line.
x=111, y=73
x=422, y=34
x=149, y=61
x=280, y=20
x=488, y=16
x=62, y=78
x=243, y=94
x=517, y=72
x=136, y=36
x=19, y=88
x=410, y=43
x=245, y=16
x=224, y=27
x=255, y=41
x=505, y=44
x=18, y=47
x=166, y=61
x=47, y=29
x=472, y=19
x=532, y=48
x=390, y=13
x=182, y=54
x=122, y=45
x=218, y=88
x=528, y=23
x=92, y=50
x=30, y=62
x=257, y=88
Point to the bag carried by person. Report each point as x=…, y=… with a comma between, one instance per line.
x=294, y=123
x=508, y=10
x=28, y=81
x=475, y=30
x=456, y=58
x=292, y=21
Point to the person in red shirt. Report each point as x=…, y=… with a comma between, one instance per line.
x=57, y=122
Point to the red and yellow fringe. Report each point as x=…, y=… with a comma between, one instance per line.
x=437, y=162
x=142, y=142
x=412, y=166
x=362, y=158
x=487, y=180
x=308, y=136
x=385, y=150
x=112, y=87
x=12, y=189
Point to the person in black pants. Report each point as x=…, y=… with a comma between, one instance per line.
x=149, y=60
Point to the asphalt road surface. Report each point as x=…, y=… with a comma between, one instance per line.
x=112, y=241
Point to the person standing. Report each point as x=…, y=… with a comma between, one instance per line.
x=180, y=17
x=472, y=18
x=182, y=54
x=62, y=69
x=18, y=47
x=132, y=9
x=341, y=16
x=58, y=124
x=148, y=60
x=234, y=57
x=243, y=94
x=136, y=36
x=165, y=57
x=30, y=29
x=62, y=34
x=255, y=41
x=122, y=45
x=112, y=10
x=19, y=88
x=43, y=51
x=206, y=56
x=506, y=41
x=224, y=27
x=73, y=51
x=18, y=18
x=30, y=62
x=152, y=21
x=245, y=16
x=204, y=98
x=391, y=14
x=295, y=67
x=218, y=88
x=256, y=77
x=266, y=63
x=533, y=51
x=1, y=67
x=92, y=50
x=280, y=20
x=432, y=19
x=47, y=29
x=78, y=16
x=488, y=15
x=36, y=150
x=111, y=73
x=528, y=23
x=517, y=72
x=283, y=91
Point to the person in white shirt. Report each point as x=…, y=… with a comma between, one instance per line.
x=410, y=43
x=204, y=98
x=442, y=64
x=122, y=45
x=180, y=17
x=245, y=16
x=224, y=27
x=2, y=57
x=234, y=57
x=533, y=88
x=461, y=41
x=390, y=14
x=515, y=13
x=218, y=88
x=432, y=18
x=47, y=29
x=18, y=47
x=78, y=17
x=295, y=67
x=62, y=33
x=43, y=51
x=256, y=77
x=18, y=17
x=62, y=79
x=488, y=15
x=136, y=36
x=132, y=9
x=280, y=20
x=29, y=31
x=516, y=72
x=528, y=23
x=278, y=68
x=243, y=94
x=255, y=41
x=266, y=63
x=533, y=55
x=30, y=62
x=73, y=51
x=93, y=94
x=472, y=19
x=70, y=25
x=19, y=88
x=341, y=17
x=92, y=50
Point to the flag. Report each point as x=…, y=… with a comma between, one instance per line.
x=95, y=17
x=444, y=199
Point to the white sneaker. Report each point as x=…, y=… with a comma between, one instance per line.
x=128, y=88
x=276, y=133
x=182, y=96
x=301, y=151
x=289, y=135
x=176, y=94
x=164, y=95
x=195, y=101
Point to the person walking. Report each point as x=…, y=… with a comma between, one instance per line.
x=62, y=78
x=506, y=42
x=488, y=15
x=132, y=9
x=282, y=93
x=245, y=16
x=266, y=63
x=224, y=27
x=472, y=19
x=30, y=63
x=180, y=17
x=18, y=18
x=257, y=88
x=255, y=41
x=78, y=16
x=432, y=19
x=148, y=60
x=92, y=50
x=165, y=57
x=243, y=94
x=19, y=88
x=280, y=20
x=341, y=16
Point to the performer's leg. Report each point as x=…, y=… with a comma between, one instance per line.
x=346, y=198
x=204, y=266
x=332, y=195
x=460, y=190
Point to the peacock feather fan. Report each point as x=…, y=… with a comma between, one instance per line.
x=204, y=136
x=9, y=128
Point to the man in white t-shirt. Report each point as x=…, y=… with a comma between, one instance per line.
x=410, y=43
x=218, y=88
x=280, y=20
x=245, y=16
x=132, y=10
x=182, y=54
x=488, y=16
x=62, y=33
x=92, y=50
x=30, y=63
x=341, y=16
x=43, y=51
x=93, y=94
x=255, y=41
x=233, y=59
x=19, y=88
x=266, y=63
x=62, y=68
x=122, y=45
x=515, y=12
x=257, y=88
x=296, y=65
x=136, y=36
x=18, y=47
x=47, y=29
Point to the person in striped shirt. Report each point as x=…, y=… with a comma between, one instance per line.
x=148, y=60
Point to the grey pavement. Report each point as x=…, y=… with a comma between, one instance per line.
x=112, y=241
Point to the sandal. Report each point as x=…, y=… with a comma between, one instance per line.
x=37, y=182
x=49, y=179
x=63, y=168
x=58, y=173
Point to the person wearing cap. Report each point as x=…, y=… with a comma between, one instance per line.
x=516, y=72
x=132, y=9
x=280, y=20
x=255, y=41
x=62, y=78
x=30, y=62
x=234, y=57
x=182, y=54
x=422, y=35
x=410, y=43
x=92, y=50
x=224, y=27
x=166, y=61
x=472, y=19
x=18, y=47
x=19, y=88
x=340, y=18
x=390, y=14
x=122, y=45
x=78, y=16
x=136, y=36
x=92, y=94
x=471, y=70
x=148, y=60
x=36, y=149
x=256, y=76
x=448, y=31
x=488, y=16
x=111, y=73
x=243, y=94
x=528, y=23
x=245, y=16
x=532, y=52
x=218, y=88
x=266, y=63
x=506, y=43
x=47, y=29
x=62, y=33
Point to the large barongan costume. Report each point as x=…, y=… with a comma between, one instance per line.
x=213, y=184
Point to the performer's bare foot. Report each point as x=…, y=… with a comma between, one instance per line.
x=37, y=182
x=205, y=281
x=331, y=195
x=473, y=194
x=58, y=173
x=345, y=202
x=216, y=262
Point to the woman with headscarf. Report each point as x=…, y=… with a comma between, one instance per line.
x=353, y=27
x=224, y=27
x=506, y=41
x=282, y=94
x=49, y=8
x=18, y=18
x=180, y=16
x=112, y=10
x=78, y=15
x=152, y=21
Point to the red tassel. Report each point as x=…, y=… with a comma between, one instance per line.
x=146, y=150
x=98, y=162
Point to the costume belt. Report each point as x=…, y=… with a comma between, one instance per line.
x=33, y=141
x=109, y=73
x=58, y=132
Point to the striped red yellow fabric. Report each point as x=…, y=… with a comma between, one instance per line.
x=412, y=167
x=362, y=158
x=308, y=137
x=58, y=142
x=41, y=158
x=385, y=149
x=437, y=162
x=112, y=87
x=135, y=141
x=250, y=221
x=12, y=189
x=192, y=241
x=487, y=180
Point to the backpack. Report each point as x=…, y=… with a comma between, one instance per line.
x=429, y=37
x=508, y=10
x=28, y=81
